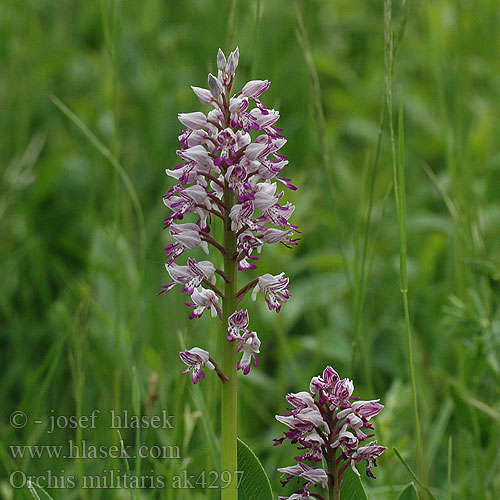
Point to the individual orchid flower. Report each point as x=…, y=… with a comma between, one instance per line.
x=275, y=289
x=187, y=236
x=327, y=423
x=238, y=322
x=300, y=401
x=196, y=359
x=347, y=441
x=340, y=393
x=249, y=344
x=370, y=453
x=310, y=474
x=305, y=420
x=362, y=409
x=313, y=443
x=204, y=299
x=191, y=276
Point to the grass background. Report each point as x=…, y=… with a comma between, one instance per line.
x=81, y=253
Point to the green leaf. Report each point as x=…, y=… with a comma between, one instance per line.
x=414, y=476
x=409, y=493
x=352, y=487
x=254, y=483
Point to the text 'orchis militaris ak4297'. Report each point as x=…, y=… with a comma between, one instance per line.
x=231, y=171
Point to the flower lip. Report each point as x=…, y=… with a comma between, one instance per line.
x=249, y=345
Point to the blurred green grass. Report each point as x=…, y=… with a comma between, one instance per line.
x=77, y=279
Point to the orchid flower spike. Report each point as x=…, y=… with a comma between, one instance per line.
x=329, y=426
x=230, y=174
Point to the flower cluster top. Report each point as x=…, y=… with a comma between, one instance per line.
x=230, y=171
x=331, y=428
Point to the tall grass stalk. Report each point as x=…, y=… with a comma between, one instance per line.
x=137, y=408
x=108, y=17
x=78, y=375
x=127, y=465
x=450, y=458
x=361, y=260
x=398, y=166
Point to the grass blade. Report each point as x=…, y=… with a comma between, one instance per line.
x=398, y=166
x=111, y=159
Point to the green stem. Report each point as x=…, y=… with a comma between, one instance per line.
x=333, y=479
x=334, y=487
x=398, y=165
x=229, y=415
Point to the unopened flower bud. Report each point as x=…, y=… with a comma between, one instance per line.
x=215, y=86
